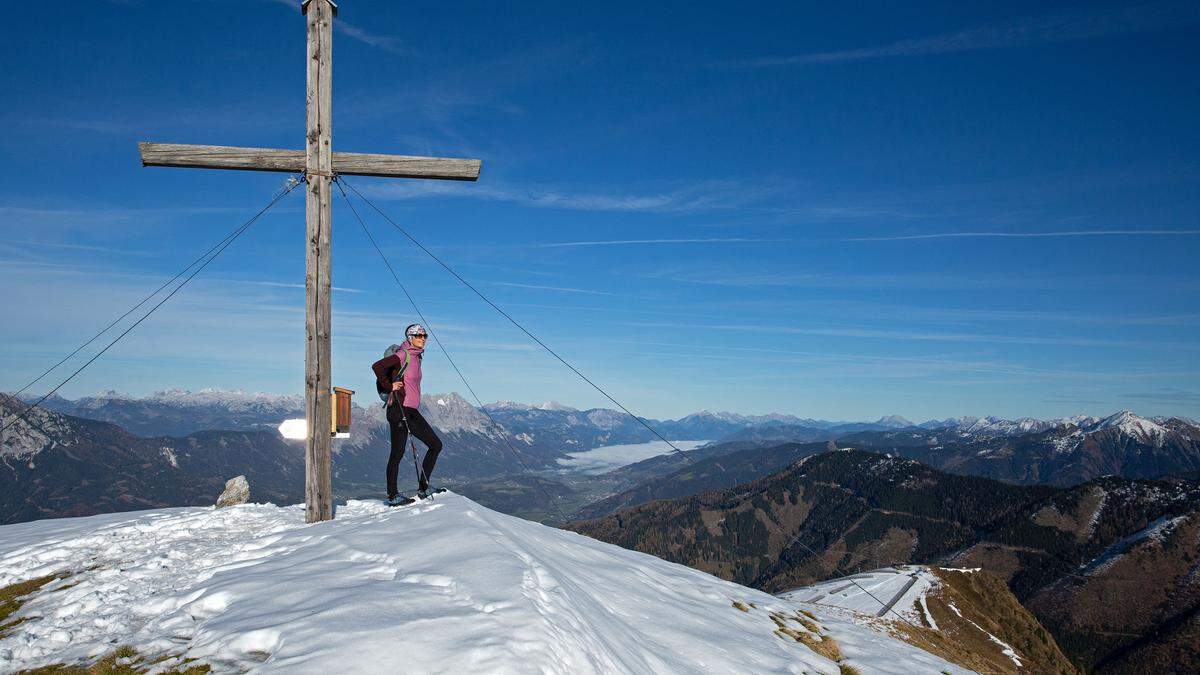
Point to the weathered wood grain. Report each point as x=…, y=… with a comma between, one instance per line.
x=293, y=161
x=318, y=212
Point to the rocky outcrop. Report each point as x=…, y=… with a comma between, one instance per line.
x=237, y=491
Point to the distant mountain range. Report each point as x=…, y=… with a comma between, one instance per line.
x=1109, y=565
x=1122, y=444
x=534, y=437
x=1063, y=453
x=180, y=412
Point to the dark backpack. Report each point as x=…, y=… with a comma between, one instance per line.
x=385, y=392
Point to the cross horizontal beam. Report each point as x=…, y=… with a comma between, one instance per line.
x=293, y=161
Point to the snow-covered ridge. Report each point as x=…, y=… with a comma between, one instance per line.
x=439, y=586
x=1126, y=422
x=230, y=399
x=513, y=405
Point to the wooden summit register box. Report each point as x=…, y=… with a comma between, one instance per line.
x=341, y=412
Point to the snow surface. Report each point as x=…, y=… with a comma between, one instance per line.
x=609, y=457
x=439, y=586
x=902, y=589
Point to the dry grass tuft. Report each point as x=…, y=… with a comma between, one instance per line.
x=14, y=596
x=123, y=661
x=824, y=645
x=738, y=604
x=811, y=637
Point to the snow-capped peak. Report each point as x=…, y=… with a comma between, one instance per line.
x=1131, y=425
x=555, y=405
x=894, y=422
x=514, y=405
x=508, y=405
x=225, y=398
x=1124, y=421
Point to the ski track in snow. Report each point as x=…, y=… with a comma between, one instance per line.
x=439, y=586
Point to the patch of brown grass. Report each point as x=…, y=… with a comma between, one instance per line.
x=986, y=605
x=845, y=669
x=986, y=600
x=812, y=636
x=14, y=596
x=122, y=661
x=738, y=604
x=824, y=645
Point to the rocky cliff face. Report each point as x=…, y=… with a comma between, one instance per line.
x=57, y=465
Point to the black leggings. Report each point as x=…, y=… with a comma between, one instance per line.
x=424, y=433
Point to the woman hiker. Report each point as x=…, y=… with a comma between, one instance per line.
x=398, y=377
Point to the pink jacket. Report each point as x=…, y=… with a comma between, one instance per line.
x=386, y=368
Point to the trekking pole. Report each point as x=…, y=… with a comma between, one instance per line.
x=421, y=478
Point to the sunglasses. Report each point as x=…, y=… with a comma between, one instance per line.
x=418, y=335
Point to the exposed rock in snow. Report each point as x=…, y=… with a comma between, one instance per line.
x=439, y=586
x=237, y=491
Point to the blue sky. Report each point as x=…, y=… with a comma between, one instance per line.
x=932, y=209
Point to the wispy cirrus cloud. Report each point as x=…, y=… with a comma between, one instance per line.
x=384, y=42
x=279, y=284
x=1164, y=394
x=562, y=289
x=929, y=335
x=1067, y=26
x=705, y=196
x=763, y=277
x=75, y=247
x=636, y=242
x=1029, y=235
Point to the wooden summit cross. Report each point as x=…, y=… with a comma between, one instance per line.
x=319, y=164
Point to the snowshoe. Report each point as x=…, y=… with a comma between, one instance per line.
x=426, y=493
x=399, y=500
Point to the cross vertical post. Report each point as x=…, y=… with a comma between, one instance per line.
x=319, y=164
x=318, y=214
